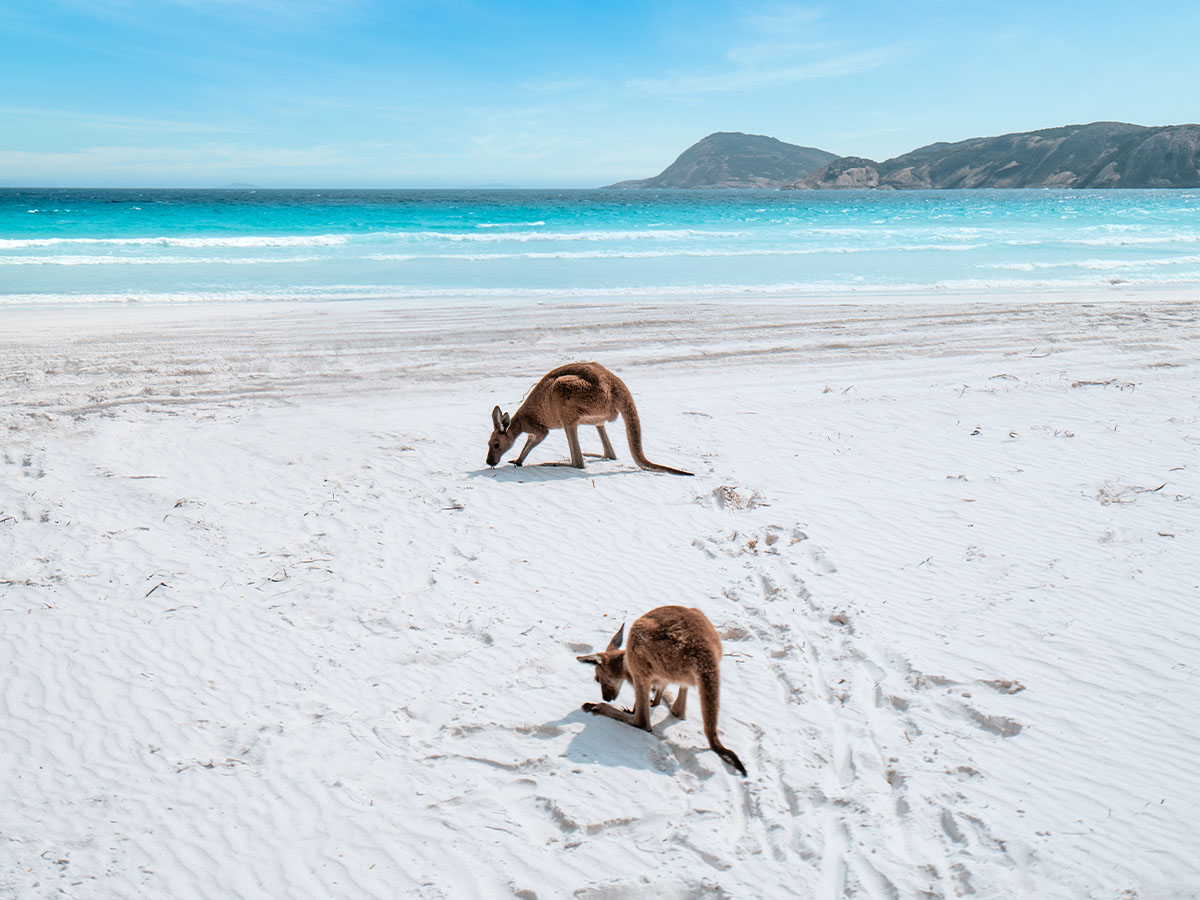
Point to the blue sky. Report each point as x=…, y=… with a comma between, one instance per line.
x=454, y=93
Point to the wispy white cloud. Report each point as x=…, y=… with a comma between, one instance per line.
x=517, y=133
x=777, y=45
x=198, y=159
x=510, y=146
x=296, y=13
x=563, y=85
x=781, y=18
x=115, y=123
x=276, y=11
x=744, y=77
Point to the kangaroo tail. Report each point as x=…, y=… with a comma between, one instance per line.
x=710, y=703
x=633, y=431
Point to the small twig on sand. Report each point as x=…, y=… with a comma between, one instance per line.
x=1111, y=382
x=1109, y=494
x=155, y=588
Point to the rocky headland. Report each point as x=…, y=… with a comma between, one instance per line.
x=1098, y=155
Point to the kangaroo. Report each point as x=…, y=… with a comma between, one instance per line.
x=577, y=394
x=668, y=645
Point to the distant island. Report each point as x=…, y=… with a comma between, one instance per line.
x=1099, y=155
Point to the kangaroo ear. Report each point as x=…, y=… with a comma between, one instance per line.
x=498, y=419
x=618, y=639
x=594, y=658
x=506, y=420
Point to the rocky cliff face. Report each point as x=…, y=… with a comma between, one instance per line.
x=847, y=173
x=736, y=160
x=1099, y=155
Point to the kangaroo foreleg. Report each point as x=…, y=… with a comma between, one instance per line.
x=607, y=709
x=535, y=438
x=638, y=717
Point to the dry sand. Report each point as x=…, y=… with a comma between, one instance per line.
x=269, y=627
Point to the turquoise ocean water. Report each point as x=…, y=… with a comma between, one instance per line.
x=91, y=245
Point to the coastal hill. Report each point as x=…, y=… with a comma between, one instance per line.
x=735, y=160
x=1099, y=155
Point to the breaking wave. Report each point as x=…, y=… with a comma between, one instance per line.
x=314, y=240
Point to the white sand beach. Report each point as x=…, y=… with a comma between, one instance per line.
x=270, y=627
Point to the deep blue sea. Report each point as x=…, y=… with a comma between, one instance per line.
x=119, y=245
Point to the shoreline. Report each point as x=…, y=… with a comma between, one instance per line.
x=883, y=296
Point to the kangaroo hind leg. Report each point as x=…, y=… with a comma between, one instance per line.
x=679, y=707
x=573, y=442
x=609, y=453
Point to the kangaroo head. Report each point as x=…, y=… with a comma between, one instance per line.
x=501, y=441
x=610, y=666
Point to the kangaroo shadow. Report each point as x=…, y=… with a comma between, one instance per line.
x=607, y=742
x=540, y=473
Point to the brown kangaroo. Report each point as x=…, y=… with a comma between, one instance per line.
x=668, y=645
x=576, y=394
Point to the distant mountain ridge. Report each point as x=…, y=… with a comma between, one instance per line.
x=1097, y=155
x=730, y=159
